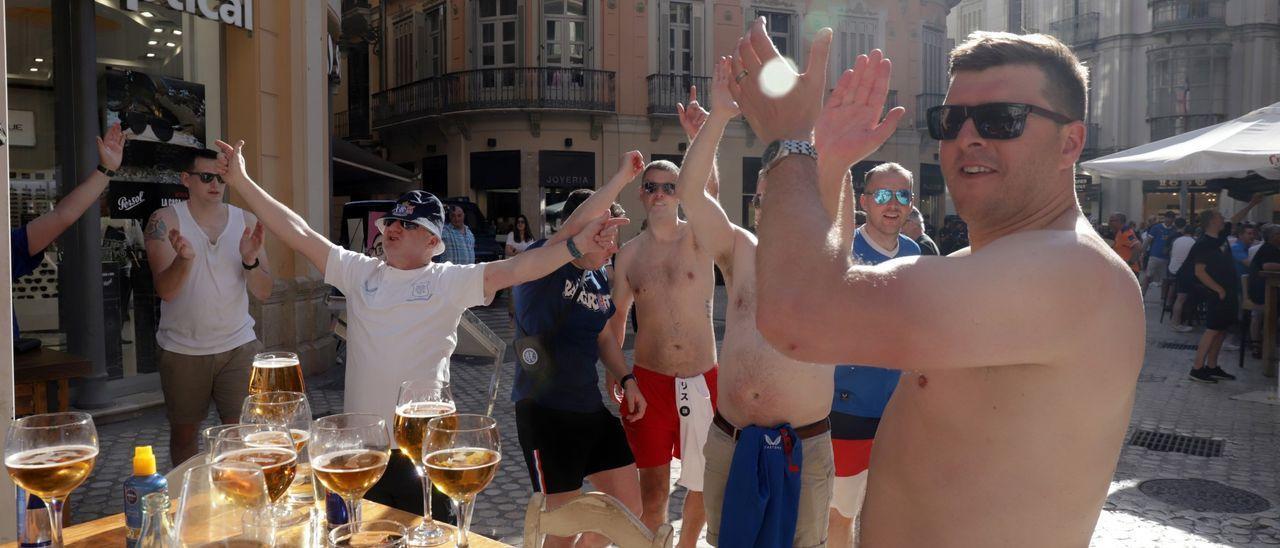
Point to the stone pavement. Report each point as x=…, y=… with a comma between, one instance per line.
x=1233, y=504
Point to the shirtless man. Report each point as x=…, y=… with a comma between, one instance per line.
x=762, y=387
x=669, y=276
x=1021, y=352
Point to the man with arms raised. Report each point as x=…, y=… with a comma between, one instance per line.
x=1023, y=350
x=669, y=277
x=763, y=389
x=404, y=312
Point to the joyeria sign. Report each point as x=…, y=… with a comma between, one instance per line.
x=237, y=13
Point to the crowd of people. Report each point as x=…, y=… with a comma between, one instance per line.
x=872, y=383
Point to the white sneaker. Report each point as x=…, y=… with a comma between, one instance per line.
x=1183, y=328
x=1230, y=347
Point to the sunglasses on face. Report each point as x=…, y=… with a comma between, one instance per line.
x=882, y=196
x=651, y=187
x=1000, y=121
x=207, y=177
x=407, y=225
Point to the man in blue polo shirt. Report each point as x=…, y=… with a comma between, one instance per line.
x=863, y=392
x=28, y=242
x=1158, y=261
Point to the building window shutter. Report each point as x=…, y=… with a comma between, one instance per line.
x=664, y=40
x=699, y=67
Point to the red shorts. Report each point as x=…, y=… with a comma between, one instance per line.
x=851, y=456
x=655, y=438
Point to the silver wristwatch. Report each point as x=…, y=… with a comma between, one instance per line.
x=778, y=150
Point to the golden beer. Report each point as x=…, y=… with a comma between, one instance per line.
x=369, y=539
x=350, y=473
x=52, y=472
x=279, y=465
x=276, y=374
x=462, y=472
x=411, y=426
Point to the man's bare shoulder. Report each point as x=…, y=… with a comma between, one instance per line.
x=1072, y=266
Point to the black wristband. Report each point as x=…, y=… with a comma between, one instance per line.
x=573, y=249
x=105, y=171
x=623, y=382
x=256, y=261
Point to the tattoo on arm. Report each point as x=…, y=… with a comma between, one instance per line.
x=155, y=228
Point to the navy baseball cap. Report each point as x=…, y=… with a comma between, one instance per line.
x=421, y=208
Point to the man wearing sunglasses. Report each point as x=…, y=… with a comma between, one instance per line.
x=862, y=392
x=1020, y=353
x=403, y=312
x=206, y=257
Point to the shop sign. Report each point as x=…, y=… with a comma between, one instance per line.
x=237, y=13
x=1175, y=186
x=22, y=128
x=136, y=200
x=566, y=169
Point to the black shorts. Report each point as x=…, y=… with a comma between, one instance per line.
x=1220, y=314
x=563, y=447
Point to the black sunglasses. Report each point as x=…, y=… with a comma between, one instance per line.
x=207, y=177
x=992, y=120
x=651, y=187
x=407, y=225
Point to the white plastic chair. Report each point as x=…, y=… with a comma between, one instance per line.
x=591, y=513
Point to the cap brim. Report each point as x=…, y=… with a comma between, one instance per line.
x=381, y=224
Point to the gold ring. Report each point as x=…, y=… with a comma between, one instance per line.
x=740, y=76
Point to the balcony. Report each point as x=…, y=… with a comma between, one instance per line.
x=507, y=88
x=1171, y=15
x=1073, y=31
x=665, y=90
x=341, y=125
x=351, y=124
x=924, y=102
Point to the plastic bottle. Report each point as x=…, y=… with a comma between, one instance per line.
x=145, y=481
x=33, y=521
x=157, y=526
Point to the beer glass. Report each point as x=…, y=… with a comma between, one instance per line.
x=276, y=372
x=271, y=448
x=349, y=453
x=288, y=410
x=50, y=455
x=462, y=456
x=419, y=402
x=217, y=499
x=210, y=435
x=382, y=533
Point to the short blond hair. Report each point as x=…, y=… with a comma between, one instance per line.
x=888, y=167
x=661, y=165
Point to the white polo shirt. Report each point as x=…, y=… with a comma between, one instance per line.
x=401, y=324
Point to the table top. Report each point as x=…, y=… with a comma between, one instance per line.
x=46, y=364
x=110, y=531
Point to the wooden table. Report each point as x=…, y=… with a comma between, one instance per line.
x=32, y=371
x=110, y=531
x=1272, y=281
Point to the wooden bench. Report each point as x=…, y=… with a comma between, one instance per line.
x=32, y=373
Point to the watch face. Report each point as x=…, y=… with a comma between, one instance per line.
x=770, y=152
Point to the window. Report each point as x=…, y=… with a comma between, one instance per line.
x=1186, y=88
x=402, y=50
x=679, y=37
x=970, y=21
x=432, y=42
x=935, y=66
x=565, y=34
x=778, y=25
x=853, y=36
x=497, y=40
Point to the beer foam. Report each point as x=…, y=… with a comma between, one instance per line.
x=426, y=409
x=49, y=456
x=464, y=458
x=269, y=439
x=254, y=456
x=275, y=363
x=363, y=459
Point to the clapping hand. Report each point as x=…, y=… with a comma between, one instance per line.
x=693, y=115
x=111, y=148
x=790, y=107
x=851, y=127
x=180, y=245
x=251, y=243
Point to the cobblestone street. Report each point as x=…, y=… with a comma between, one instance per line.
x=1232, y=504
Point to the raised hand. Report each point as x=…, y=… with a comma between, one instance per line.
x=180, y=245
x=692, y=116
x=722, y=103
x=850, y=127
x=600, y=235
x=231, y=161
x=251, y=243
x=631, y=166
x=789, y=107
x=111, y=148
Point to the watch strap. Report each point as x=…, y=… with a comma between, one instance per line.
x=105, y=171
x=787, y=147
x=256, y=262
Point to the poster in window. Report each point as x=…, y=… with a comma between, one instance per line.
x=155, y=108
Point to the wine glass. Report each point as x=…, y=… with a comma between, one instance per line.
x=210, y=436
x=462, y=456
x=419, y=402
x=276, y=371
x=381, y=533
x=216, y=501
x=288, y=410
x=267, y=446
x=50, y=455
x=349, y=452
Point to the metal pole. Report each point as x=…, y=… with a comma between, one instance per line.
x=80, y=308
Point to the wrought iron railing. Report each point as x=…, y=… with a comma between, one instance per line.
x=665, y=90
x=1080, y=29
x=1181, y=14
x=341, y=125
x=553, y=88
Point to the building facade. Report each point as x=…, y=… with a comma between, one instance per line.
x=515, y=103
x=1158, y=68
x=174, y=78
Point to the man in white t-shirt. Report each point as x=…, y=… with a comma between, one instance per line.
x=403, y=313
x=1183, y=284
